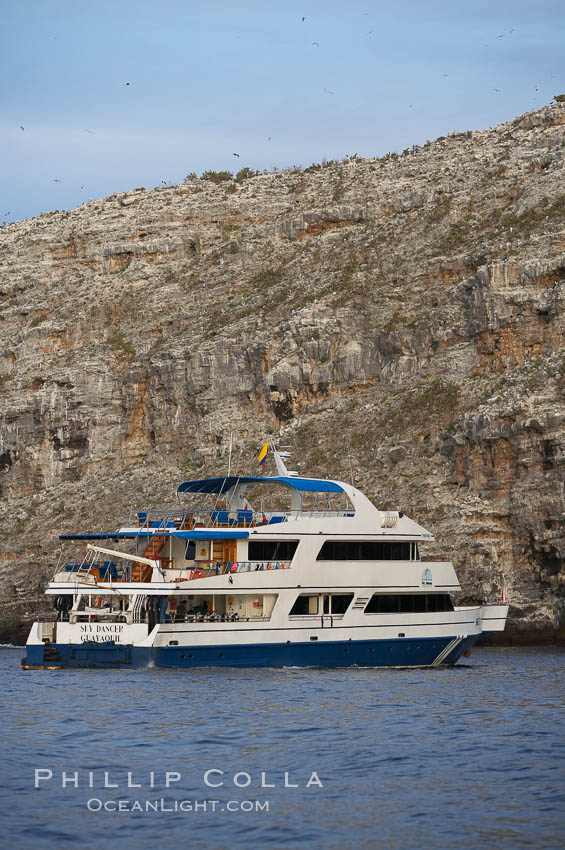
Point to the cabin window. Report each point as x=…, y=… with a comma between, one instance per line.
x=271, y=550
x=365, y=550
x=305, y=604
x=340, y=602
x=409, y=603
x=384, y=605
x=337, y=603
x=190, y=553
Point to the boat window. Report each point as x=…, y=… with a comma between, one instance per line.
x=436, y=602
x=364, y=550
x=409, y=603
x=341, y=602
x=271, y=550
x=384, y=605
x=190, y=553
x=305, y=604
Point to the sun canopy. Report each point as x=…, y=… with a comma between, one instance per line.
x=196, y=534
x=211, y=535
x=222, y=485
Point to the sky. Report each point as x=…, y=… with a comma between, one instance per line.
x=102, y=96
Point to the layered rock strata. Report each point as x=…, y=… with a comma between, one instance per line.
x=398, y=320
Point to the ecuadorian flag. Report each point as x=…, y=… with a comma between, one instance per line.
x=263, y=454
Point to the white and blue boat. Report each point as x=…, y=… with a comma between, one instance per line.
x=249, y=571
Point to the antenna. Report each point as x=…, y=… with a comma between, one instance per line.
x=350, y=468
x=229, y=455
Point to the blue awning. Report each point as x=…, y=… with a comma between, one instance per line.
x=219, y=534
x=222, y=485
x=195, y=534
x=110, y=535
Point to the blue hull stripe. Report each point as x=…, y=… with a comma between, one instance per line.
x=408, y=652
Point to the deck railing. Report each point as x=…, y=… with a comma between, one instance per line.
x=93, y=573
x=216, y=518
x=206, y=569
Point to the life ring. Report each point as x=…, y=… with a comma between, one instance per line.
x=196, y=574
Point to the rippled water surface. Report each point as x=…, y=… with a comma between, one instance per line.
x=458, y=758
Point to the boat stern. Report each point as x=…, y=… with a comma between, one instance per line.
x=54, y=646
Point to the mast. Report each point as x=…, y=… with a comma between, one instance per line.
x=280, y=457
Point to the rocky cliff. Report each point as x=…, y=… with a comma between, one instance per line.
x=397, y=320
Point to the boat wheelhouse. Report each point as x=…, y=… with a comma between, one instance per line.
x=257, y=572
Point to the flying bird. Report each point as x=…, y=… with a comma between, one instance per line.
x=315, y=44
x=55, y=180
x=500, y=90
x=501, y=35
x=127, y=84
x=327, y=91
x=236, y=154
x=20, y=126
x=303, y=19
x=269, y=139
x=8, y=213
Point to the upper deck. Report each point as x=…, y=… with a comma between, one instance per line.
x=237, y=503
x=212, y=528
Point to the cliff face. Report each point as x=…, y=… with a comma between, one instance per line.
x=400, y=320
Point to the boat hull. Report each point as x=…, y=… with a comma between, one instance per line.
x=406, y=652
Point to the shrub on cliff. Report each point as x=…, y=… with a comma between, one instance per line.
x=245, y=174
x=216, y=176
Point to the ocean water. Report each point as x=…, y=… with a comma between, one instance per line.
x=469, y=757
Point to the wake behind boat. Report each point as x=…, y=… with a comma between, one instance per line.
x=250, y=571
